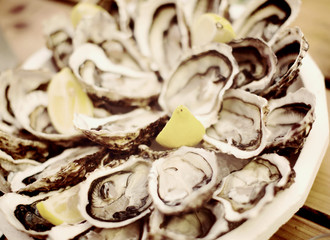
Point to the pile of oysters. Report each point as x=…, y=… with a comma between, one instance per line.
x=137, y=63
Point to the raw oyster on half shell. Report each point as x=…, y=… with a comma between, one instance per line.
x=207, y=222
x=257, y=64
x=123, y=132
x=240, y=129
x=116, y=197
x=183, y=180
x=199, y=82
x=265, y=19
x=243, y=193
x=110, y=82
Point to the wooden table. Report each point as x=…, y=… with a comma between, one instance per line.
x=21, y=22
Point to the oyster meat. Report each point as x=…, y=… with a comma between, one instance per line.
x=173, y=190
x=240, y=129
x=116, y=197
x=199, y=82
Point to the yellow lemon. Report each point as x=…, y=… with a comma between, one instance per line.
x=210, y=27
x=83, y=9
x=183, y=129
x=61, y=208
x=65, y=98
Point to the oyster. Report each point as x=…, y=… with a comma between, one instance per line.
x=119, y=46
x=122, y=132
x=207, y=222
x=290, y=120
x=85, y=231
x=28, y=101
x=240, y=129
x=116, y=197
x=20, y=211
x=257, y=64
x=111, y=82
x=71, y=166
x=290, y=48
x=183, y=180
x=200, y=81
x=266, y=18
x=243, y=193
x=59, y=34
x=160, y=34
x=9, y=166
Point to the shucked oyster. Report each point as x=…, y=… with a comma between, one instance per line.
x=290, y=47
x=160, y=34
x=240, y=129
x=266, y=18
x=200, y=81
x=207, y=222
x=123, y=132
x=243, y=193
x=257, y=64
x=28, y=101
x=110, y=82
x=115, y=197
x=183, y=180
x=119, y=47
x=290, y=119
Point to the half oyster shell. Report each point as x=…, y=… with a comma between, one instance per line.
x=290, y=48
x=207, y=222
x=116, y=197
x=123, y=132
x=200, y=81
x=110, y=82
x=183, y=180
x=266, y=18
x=290, y=120
x=244, y=192
x=257, y=64
x=240, y=129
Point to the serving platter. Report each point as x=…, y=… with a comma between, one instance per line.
x=287, y=202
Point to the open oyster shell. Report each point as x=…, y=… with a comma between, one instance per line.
x=243, y=193
x=110, y=82
x=240, y=129
x=28, y=101
x=199, y=82
x=290, y=120
x=123, y=132
x=160, y=34
x=207, y=222
x=119, y=46
x=290, y=47
x=257, y=64
x=183, y=180
x=267, y=18
x=116, y=197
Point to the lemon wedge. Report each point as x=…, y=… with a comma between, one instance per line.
x=183, y=129
x=65, y=98
x=61, y=208
x=84, y=9
x=210, y=27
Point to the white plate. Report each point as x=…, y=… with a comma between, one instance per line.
x=287, y=202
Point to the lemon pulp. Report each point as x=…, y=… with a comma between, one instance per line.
x=183, y=129
x=210, y=27
x=65, y=98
